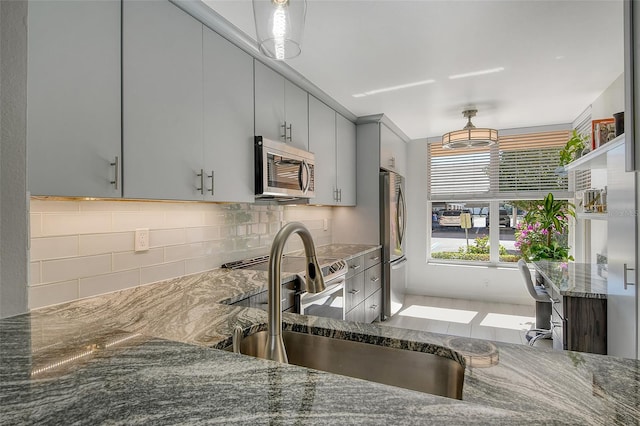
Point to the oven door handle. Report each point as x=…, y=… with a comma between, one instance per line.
x=308, y=298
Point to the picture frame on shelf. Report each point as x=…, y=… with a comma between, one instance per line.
x=602, y=131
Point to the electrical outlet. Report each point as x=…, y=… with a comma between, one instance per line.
x=141, y=242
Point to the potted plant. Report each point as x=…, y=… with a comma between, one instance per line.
x=543, y=232
x=573, y=148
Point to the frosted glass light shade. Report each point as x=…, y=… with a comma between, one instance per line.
x=279, y=27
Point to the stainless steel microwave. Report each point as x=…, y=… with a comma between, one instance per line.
x=282, y=171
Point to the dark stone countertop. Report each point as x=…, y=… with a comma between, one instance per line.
x=145, y=355
x=574, y=279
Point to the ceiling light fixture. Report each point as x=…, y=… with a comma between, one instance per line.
x=392, y=88
x=279, y=27
x=470, y=136
x=475, y=73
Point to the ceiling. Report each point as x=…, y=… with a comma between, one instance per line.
x=558, y=57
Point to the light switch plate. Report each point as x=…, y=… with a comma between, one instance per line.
x=141, y=242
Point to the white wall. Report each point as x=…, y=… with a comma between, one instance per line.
x=468, y=282
x=610, y=101
x=13, y=142
x=85, y=248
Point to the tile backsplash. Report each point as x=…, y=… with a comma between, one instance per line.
x=83, y=248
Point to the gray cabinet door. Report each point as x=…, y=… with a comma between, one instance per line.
x=393, y=151
x=162, y=102
x=621, y=250
x=346, y=161
x=228, y=120
x=269, y=103
x=73, y=98
x=322, y=142
x=296, y=106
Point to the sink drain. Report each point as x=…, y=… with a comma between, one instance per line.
x=477, y=353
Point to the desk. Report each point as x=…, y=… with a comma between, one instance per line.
x=579, y=299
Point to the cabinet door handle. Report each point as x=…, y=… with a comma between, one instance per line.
x=335, y=195
x=624, y=276
x=290, y=127
x=374, y=306
x=340, y=195
x=375, y=279
x=354, y=291
x=355, y=266
x=284, y=129
x=374, y=258
x=116, y=168
x=201, y=176
x=212, y=182
x=392, y=162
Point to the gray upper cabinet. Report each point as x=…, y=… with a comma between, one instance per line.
x=322, y=142
x=346, y=161
x=393, y=151
x=332, y=138
x=162, y=102
x=281, y=108
x=73, y=98
x=228, y=121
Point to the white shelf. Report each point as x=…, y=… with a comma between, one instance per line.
x=596, y=158
x=592, y=216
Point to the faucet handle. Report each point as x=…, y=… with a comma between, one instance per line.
x=314, y=281
x=237, y=338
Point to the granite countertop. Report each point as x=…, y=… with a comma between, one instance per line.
x=574, y=279
x=144, y=355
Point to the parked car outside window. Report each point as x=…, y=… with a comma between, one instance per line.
x=451, y=218
x=503, y=220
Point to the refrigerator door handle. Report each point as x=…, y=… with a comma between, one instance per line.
x=401, y=220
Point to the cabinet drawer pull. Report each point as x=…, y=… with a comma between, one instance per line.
x=116, y=166
x=212, y=182
x=354, y=291
x=555, y=300
x=201, y=176
x=626, y=269
x=355, y=266
x=290, y=137
x=375, y=279
x=374, y=306
x=284, y=129
x=374, y=258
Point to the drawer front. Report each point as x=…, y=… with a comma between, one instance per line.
x=372, y=258
x=372, y=280
x=356, y=314
x=353, y=292
x=356, y=265
x=373, y=307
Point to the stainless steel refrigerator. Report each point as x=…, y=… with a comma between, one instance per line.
x=393, y=221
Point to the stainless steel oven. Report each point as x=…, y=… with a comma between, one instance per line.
x=283, y=171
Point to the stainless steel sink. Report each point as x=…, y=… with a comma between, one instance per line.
x=404, y=368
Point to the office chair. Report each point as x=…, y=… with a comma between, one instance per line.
x=543, y=306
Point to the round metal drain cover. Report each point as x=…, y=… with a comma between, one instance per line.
x=477, y=353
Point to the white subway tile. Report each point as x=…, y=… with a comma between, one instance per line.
x=35, y=225
x=166, y=237
x=75, y=223
x=214, y=217
x=259, y=228
x=52, y=294
x=38, y=206
x=241, y=230
x=77, y=267
x=131, y=260
x=106, y=243
x=107, y=283
x=202, y=264
x=173, y=253
x=202, y=234
x=34, y=273
x=183, y=219
x=165, y=271
x=130, y=221
x=54, y=247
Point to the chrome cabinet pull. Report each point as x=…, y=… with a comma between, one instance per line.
x=212, y=182
x=290, y=127
x=392, y=162
x=624, y=276
x=116, y=166
x=354, y=291
x=374, y=306
x=201, y=176
x=340, y=195
x=375, y=279
x=374, y=258
x=355, y=266
x=284, y=129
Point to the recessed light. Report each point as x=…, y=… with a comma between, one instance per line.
x=475, y=73
x=392, y=88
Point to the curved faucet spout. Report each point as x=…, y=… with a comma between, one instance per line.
x=314, y=283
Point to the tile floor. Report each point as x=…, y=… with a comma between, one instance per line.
x=500, y=322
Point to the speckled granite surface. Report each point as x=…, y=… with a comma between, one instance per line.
x=574, y=279
x=103, y=360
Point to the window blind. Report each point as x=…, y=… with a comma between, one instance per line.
x=522, y=165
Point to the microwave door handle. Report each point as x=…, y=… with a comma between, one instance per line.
x=303, y=176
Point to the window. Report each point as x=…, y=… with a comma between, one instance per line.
x=486, y=183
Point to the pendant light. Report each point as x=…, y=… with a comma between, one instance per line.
x=279, y=27
x=470, y=136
